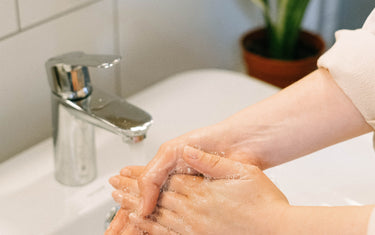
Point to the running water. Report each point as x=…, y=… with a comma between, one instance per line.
x=137, y=152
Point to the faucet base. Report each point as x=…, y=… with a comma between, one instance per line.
x=74, y=142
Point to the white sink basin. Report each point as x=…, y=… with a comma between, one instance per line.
x=32, y=202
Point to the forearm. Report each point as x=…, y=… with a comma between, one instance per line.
x=309, y=115
x=325, y=220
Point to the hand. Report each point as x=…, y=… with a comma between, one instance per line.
x=191, y=204
x=215, y=139
x=238, y=199
x=127, y=195
x=120, y=223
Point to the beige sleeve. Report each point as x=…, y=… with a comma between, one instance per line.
x=351, y=62
x=371, y=224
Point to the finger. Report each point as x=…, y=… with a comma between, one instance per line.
x=172, y=220
x=126, y=200
x=183, y=184
x=124, y=183
x=153, y=178
x=132, y=171
x=216, y=166
x=118, y=223
x=131, y=229
x=149, y=226
x=173, y=201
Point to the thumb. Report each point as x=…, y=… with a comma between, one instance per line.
x=152, y=179
x=215, y=166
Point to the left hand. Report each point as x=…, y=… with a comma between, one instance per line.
x=239, y=200
x=120, y=224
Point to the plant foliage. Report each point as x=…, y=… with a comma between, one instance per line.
x=283, y=22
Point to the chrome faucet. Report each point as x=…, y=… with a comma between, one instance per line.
x=77, y=107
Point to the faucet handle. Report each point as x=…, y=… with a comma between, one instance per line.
x=81, y=59
x=68, y=74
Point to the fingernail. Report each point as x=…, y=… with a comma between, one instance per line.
x=190, y=152
x=125, y=172
x=114, y=181
x=117, y=196
x=133, y=217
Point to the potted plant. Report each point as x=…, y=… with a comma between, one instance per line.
x=280, y=53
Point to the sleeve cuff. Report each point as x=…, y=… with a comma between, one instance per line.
x=351, y=62
x=371, y=224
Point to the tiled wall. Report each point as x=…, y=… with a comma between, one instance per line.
x=155, y=38
x=8, y=17
x=34, y=31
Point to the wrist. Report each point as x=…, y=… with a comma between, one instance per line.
x=243, y=142
x=325, y=220
x=280, y=223
x=250, y=141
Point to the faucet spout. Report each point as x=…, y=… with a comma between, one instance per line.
x=74, y=137
x=77, y=107
x=113, y=114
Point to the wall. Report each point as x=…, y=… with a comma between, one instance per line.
x=34, y=32
x=326, y=17
x=161, y=39
x=155, y=38
x=322, y=17
x=354, y=13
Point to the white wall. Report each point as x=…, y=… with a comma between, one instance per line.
x=155, y=38
x=158, y=39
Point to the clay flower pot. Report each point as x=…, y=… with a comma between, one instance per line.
x=280, y=73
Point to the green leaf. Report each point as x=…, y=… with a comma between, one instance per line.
x=262, y=4
x=283, y=21
x=284, y=32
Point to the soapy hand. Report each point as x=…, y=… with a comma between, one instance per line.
x=120, y=223
x=239, y=199
x=233, y=198
x=168, y=160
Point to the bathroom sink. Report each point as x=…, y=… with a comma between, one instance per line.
x=32, y=202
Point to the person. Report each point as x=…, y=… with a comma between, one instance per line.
x=332, y=104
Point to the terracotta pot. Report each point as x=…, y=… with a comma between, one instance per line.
x=280, y=73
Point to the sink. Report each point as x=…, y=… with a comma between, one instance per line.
x=32, y=202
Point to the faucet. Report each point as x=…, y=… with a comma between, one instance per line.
x=77, y=107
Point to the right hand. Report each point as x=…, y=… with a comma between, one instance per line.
x=219, y=139
x=235, y=198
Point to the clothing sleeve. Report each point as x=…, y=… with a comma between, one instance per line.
x=351, y=62
x=371, y=224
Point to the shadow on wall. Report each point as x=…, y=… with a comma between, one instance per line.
x=250, y=10
x=352, y=14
